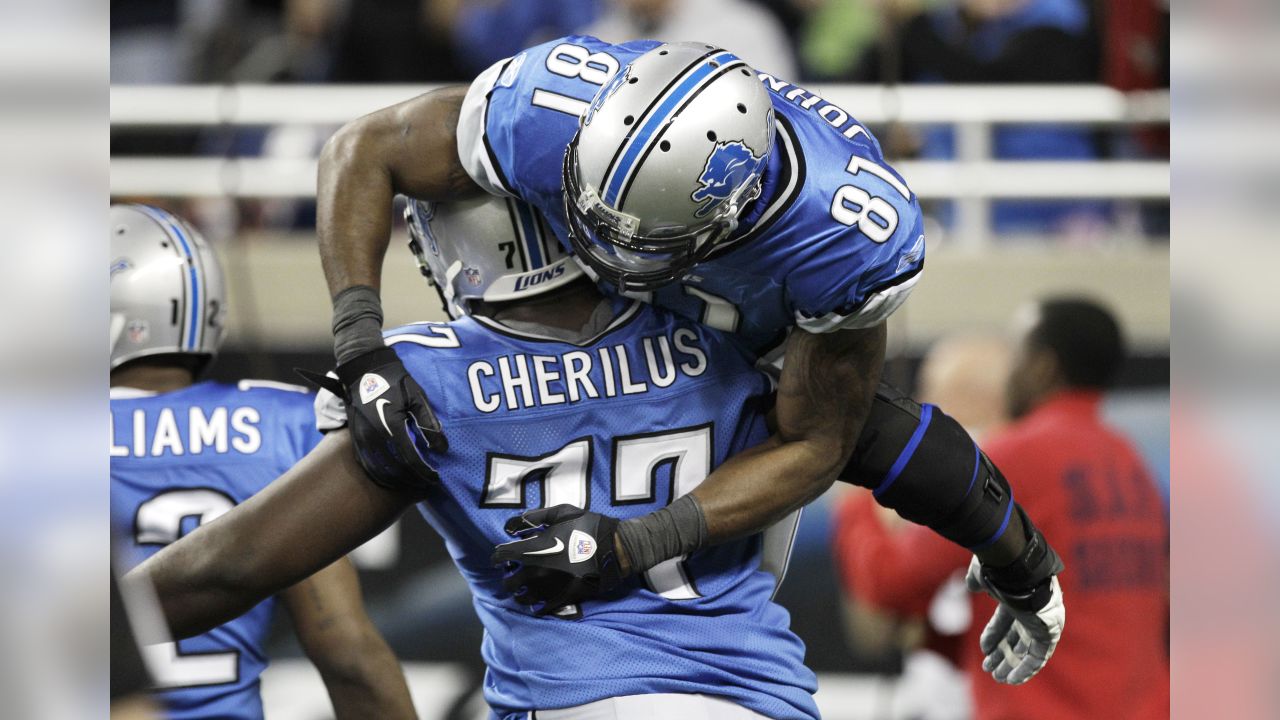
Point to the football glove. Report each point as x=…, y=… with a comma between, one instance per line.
x=1026, y=627
x=564, y=555
x=392, y=425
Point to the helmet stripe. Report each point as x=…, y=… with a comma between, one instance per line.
x=173, y=229
x=658, y=119
x=529, y=232
x=648, y=110
x=518, y=232
x=197, y=307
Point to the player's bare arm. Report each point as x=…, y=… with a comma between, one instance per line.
x=408, y=148
x=362, y=675
x=315, y=513
x=824, y=394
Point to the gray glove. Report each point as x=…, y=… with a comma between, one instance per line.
x=1024, y=631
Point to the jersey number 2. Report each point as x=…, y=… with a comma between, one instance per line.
x=159, y=522
x=566, y=476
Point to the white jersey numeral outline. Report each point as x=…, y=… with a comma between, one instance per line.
x=158, y=521
x=574, y=61
x=871, y=214
x=565, y=475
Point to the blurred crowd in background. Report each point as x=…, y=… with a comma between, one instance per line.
x=1119, y=43
x=1123, y=43
x=416, y=596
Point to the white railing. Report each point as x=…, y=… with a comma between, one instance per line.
x=296, y=178
x=187, y=105
x=972, y=178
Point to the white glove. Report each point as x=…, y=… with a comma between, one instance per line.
x=1017, y=642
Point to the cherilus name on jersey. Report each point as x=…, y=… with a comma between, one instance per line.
x=526, y=381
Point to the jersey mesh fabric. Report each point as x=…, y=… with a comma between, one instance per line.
x=793, y=263
x=725, y=637
x=160, y=494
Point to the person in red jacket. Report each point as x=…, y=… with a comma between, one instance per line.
x=1095, y=500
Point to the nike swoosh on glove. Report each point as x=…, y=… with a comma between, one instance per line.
x=1025, y=630
x=564, y=555
x=394, y=430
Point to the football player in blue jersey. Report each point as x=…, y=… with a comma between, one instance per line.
x=184, y=453
x=731, y=196
x=558, y=400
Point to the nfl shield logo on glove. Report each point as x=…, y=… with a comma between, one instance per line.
x=371, y=386
x=581, y=546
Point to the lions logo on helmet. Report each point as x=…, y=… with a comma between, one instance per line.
x=605, y=93
x=729, y=166
x=426, y=212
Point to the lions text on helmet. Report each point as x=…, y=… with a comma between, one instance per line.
x=486, y=250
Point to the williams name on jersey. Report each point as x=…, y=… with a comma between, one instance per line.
x=184, y=458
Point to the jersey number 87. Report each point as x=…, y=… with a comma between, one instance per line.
x=565, y=476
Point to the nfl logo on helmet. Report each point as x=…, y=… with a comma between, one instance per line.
x=139, y=331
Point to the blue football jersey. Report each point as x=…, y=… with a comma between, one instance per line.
x=182, y=458
x=620, y=424
x=836, y=239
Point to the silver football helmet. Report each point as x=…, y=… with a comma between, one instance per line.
x=491, y=249
x=665, y=158
x=167, y=295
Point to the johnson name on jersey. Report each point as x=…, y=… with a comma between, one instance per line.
x=183, y=458
x=835, y=241
x=620, y=424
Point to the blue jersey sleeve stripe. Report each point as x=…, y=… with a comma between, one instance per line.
x=904, y=457
x=684, y=92
x=501, y=175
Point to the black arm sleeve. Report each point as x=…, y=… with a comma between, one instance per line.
x=918, y=461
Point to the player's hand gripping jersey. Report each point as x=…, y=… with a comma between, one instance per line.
x=834, y=240
x=621, y=424
x=180, y=459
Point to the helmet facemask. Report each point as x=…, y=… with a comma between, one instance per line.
x=664, y=162
x=610, y=243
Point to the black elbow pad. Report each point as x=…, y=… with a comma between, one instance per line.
x=918, y=461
